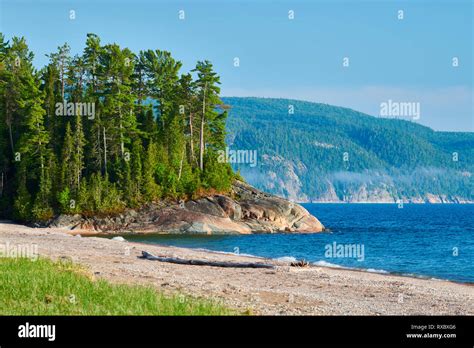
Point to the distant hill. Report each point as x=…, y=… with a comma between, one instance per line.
x=328, y=153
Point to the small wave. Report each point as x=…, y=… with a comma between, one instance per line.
x=286, y=259
x=373, y=270
x=328, y=264
x=332, y=265
x=419, y=276
x=412, y=275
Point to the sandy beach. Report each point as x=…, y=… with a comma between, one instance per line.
x=284, y=290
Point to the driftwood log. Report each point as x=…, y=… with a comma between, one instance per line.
x=146, y=255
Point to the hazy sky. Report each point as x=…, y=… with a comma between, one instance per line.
x=408, y=60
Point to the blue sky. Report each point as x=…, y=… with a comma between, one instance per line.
x=408, y=60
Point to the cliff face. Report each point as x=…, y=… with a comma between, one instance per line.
x=249, y=211
x=290, y=179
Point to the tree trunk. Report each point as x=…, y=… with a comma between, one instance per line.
x=105, y=152
x=181, y=164
x=62, y=80
x=9, y=123
x=78, y=163
x=191, y=141
x=122, y=147
x=11, y=138
x=201, y=136
x=179, y=261
x=98, y=148
x=201, y=145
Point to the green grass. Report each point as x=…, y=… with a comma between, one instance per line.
x=44, y=287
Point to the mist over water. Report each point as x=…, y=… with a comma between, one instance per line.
x=434, y=241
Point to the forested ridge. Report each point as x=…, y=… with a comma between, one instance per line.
x=104, y=130
x=314, y=151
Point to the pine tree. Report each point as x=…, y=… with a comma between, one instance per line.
x=33, y=144
x=162, y=71
x=119, y=121
x=94, y=129
x=208, y=90
x=62, y=60
x=187, y=101
x=142, y=141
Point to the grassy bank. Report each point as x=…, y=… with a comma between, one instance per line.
x=44, y=287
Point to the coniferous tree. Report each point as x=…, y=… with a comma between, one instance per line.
x=33, y=143
x=62, y=60
x=95, y=145
x=208, y=91
x=153, y=132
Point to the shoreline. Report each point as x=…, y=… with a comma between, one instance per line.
x=285, y=290
x=328, y=265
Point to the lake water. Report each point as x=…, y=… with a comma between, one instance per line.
x=434, y=241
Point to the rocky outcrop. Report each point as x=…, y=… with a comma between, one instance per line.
x=247, y=210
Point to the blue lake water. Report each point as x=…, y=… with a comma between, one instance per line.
x=434, y=241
